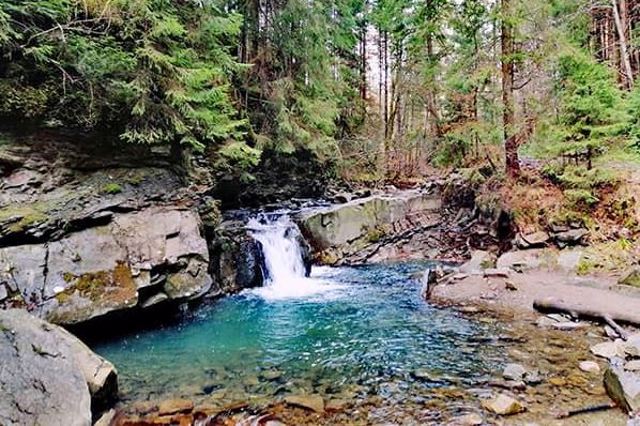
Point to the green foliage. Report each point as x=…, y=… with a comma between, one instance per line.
x=157, y=71
x=112, y=188
x=591, y=106
x=239, y=159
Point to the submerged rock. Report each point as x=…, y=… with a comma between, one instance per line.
x=589, y=367
x=309, y=402
x=514, y=372
x=504, y=405
x=623, y=387
x=48, y=376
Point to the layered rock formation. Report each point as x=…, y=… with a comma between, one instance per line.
x=80, y=238
x=399, y=225
x=137, y=259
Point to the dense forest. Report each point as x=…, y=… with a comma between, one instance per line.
x=374, y=89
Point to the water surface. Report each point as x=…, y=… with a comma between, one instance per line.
x=365, y=332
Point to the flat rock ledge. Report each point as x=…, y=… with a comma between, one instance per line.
x=48, y=376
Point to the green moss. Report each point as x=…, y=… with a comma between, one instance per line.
x=375, y=234
x=112, y=188
x=101, y=286
x=26, y=215
x=136, y=177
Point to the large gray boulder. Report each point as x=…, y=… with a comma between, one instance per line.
x=365, y=226
x=49, y=377
x=137, y=259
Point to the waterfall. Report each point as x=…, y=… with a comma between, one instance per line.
x=283, y=258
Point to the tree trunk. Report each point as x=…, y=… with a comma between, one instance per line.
x=624, y=52
x=508, y=117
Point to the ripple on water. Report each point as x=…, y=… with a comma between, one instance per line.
x=364, y=332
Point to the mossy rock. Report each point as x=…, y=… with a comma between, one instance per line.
x=21, y=217
x=113, y=286
x=631, y=278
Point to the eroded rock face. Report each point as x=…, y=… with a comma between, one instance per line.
x=48, y=376
x=360, y=230
x=152, y=255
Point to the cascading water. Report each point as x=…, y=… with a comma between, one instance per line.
x=285, y=270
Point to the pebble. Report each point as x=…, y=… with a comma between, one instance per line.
x=504, y=405
x=271, y=374
x=589, y=366
x=514, y=372
x=467, y=420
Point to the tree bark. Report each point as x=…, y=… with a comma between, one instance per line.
x=508, y=116
x=624, y=51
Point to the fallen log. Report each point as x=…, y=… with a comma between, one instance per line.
x=576, y=310
x=587, y=409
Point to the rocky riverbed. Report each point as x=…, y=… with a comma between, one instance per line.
x=518, y=282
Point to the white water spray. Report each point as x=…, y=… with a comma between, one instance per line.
x=285, y=274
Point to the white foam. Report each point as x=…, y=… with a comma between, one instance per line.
x=282, y=252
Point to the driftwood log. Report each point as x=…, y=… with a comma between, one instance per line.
x=579, y=311
x=588, y=409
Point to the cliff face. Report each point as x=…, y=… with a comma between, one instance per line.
x=84, y=236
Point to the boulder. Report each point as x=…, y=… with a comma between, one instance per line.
x=524, y=260
x=571, y=237
x=503, y=405
x=623, y=387
x=631, y=277
x=633, y=365
x=48, y=376
x=533, y=240
x=137, y=259
x=632, y=346
x=356, y=228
